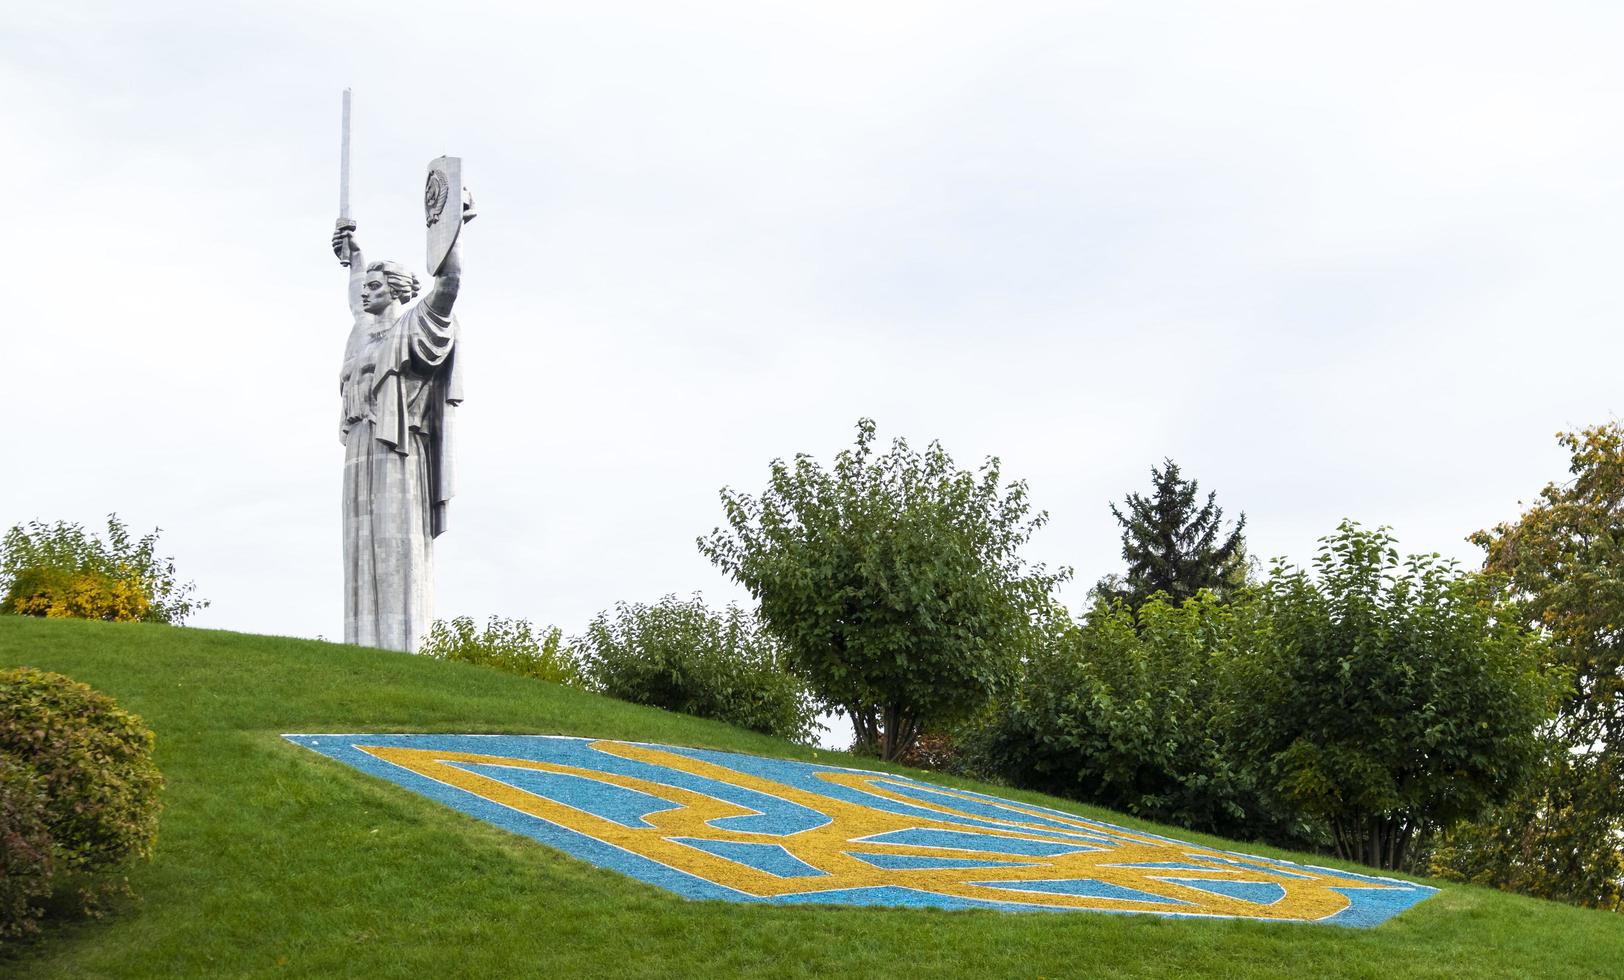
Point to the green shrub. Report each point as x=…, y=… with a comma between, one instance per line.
x=1391, y=699
x=61, y=571
x=683, y=657
x=1129, y=712
x=25, y=847
x=93, y=764
x=1558, y=839
x=506, y=644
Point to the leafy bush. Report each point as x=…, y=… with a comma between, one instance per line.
x=1558, y=839
x=506, y=644
x=1391, y=700
x=60, y=570
x=1131, y=715
x=1372, y=707
x=26, y=865
x=936, y=750
x=93, y=765
x=681, y=656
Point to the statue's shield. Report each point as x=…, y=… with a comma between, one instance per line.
x=442, y=208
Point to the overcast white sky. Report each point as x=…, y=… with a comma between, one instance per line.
x=1337, y=260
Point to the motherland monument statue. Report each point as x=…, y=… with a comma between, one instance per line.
x=399, y=387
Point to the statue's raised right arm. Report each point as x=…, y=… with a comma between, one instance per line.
x=348, y=251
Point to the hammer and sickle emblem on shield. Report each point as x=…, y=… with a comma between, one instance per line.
x=435, y=193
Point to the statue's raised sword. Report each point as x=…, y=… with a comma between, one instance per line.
x=344, y=221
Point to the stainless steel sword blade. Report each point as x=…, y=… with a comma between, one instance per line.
x=344, y=174
x=344, y=162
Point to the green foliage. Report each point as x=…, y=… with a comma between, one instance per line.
x=1564, y=558
x=270, y=854
x=1557, y=839
x=26, y=865
x=1172, y=545
x=92, y=762
x=61, y=571
x=1390, y=701
x=681, y=656
x=893, y=581
x=506, y=644
x=1565, y=561
x=1133, y=715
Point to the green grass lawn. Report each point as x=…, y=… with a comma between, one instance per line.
x=273, y=861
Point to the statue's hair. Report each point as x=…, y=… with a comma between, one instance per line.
x=402, y=283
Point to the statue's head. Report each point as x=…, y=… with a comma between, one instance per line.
x=387, y=282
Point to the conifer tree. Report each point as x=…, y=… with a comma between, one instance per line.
x=1175, y=545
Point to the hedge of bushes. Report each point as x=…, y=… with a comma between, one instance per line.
x=512, y=645
x=680, y=655
x=676, y=654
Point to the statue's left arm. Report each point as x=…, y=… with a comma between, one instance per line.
x=432, y=334
x=444, y=294
x=449, y=279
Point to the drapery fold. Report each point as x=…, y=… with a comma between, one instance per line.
x=400, y=386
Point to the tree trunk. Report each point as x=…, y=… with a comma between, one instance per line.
x=900, y=733
x=864, y=726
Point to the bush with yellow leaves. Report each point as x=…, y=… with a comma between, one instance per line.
x=62, y=571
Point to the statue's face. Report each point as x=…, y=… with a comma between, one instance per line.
x=375, y=294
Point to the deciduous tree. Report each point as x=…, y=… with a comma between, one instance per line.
x=1565, y=560
x=1391, y=700
x=894, y=581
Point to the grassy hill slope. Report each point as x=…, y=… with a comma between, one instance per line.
x=272, y=861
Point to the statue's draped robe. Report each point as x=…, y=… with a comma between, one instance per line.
x=400, y=386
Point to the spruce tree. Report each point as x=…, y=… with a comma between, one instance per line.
x=1173, y=545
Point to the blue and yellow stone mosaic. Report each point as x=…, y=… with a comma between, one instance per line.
x=719, y=825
